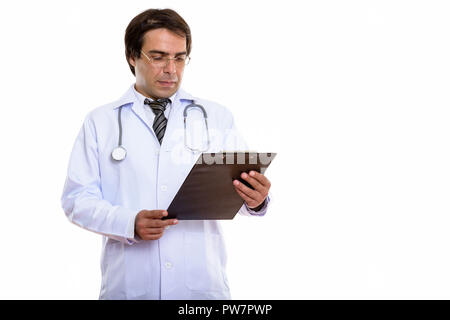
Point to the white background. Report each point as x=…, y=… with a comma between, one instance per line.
x=352, y=95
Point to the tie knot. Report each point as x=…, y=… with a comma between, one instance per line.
x=157, y=106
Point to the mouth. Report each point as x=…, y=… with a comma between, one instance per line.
x=167, y=83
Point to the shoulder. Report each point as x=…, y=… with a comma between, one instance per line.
x=100, y=115
x=218, y=113
x=108, y=111
x=213, y=108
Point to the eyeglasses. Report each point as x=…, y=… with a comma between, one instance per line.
x=162, y=61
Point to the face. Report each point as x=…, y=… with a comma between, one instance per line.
x=159, y=82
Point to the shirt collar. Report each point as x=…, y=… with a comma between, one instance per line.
x=132, y=97
x=141, y=98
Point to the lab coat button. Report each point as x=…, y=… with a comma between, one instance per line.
x=164, y=188
x=168, y=265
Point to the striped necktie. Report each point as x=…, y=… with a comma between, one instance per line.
x=160, y=122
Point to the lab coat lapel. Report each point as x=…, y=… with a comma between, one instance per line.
x=174, y=134
x=140, y=113
x=130, y=98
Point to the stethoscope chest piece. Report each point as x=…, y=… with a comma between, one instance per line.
x=119, y=153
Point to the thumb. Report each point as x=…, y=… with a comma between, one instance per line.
x=155, y=214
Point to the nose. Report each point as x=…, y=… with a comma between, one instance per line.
x=170, y=66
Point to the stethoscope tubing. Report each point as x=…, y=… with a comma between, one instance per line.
x=119, y=117
x=119, y=152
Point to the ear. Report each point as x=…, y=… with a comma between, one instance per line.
x=132, y=61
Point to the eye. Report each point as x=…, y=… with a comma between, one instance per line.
x=158, y=58
x=180, y=59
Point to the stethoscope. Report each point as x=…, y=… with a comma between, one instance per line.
x=119, y=153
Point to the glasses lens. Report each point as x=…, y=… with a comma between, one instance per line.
x=159, y=61
x=163, y=61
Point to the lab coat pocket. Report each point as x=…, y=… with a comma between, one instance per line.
x=113, y=270
x=138, y=269
x=204, y=262
x=126, y=274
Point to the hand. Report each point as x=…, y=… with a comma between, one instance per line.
x=149, y=224
x=253, y=198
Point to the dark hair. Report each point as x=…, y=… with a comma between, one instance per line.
x=149, y=20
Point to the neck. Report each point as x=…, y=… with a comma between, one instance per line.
x=144, y=93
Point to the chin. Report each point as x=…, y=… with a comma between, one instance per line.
x=166, y=93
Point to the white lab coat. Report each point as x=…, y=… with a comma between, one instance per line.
x=104, y=196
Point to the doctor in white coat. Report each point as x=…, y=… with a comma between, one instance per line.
x=144, y=256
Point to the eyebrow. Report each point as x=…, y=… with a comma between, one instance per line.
x=166, y=53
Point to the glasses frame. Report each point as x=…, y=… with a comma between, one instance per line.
x=167, y=59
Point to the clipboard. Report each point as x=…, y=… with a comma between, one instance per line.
x=208, y=193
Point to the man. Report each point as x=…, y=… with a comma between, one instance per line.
x=123, y=195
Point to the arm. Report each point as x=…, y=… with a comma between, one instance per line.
x=82, y=198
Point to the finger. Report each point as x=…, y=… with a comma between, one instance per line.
x=155, y=214
x=149, y=231
x=246, y=198
x=152, y=236
x=149, y=223
x=253, y=182
x=249, y=192
x=260, y=178
x=158, y=223
x=169, y=222
x=145, y=233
